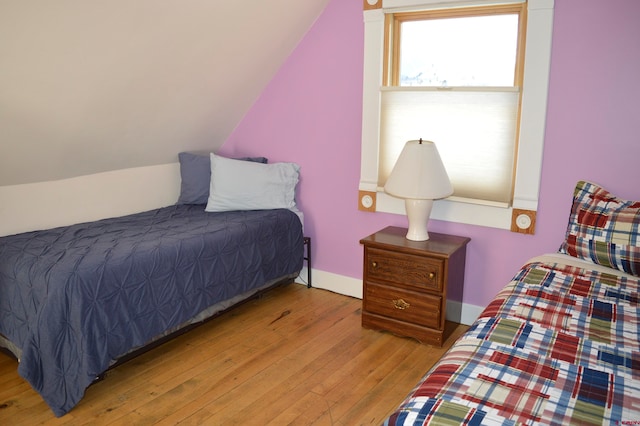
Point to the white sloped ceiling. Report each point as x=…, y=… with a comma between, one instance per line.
x=99, y=85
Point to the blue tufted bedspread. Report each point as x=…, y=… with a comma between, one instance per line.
x=73, y=299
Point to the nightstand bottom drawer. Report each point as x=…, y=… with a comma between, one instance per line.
x=404, y=329
x=403, y=305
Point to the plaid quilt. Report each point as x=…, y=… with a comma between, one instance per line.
x=558, y=345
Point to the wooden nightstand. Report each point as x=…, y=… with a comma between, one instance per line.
x=406, y=282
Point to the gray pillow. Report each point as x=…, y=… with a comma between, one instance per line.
x=195, y=174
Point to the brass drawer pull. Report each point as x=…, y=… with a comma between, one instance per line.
x=432, y=275
x=400, y=304
x=374, y=264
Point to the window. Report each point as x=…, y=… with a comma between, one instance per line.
x=463, y=78
x=453, y=78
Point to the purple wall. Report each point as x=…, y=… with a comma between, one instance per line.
x=311, y=114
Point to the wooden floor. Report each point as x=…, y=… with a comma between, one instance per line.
x=295, y=356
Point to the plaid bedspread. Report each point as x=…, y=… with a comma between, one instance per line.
x=558, y=345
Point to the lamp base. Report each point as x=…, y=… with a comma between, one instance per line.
x=418, y=212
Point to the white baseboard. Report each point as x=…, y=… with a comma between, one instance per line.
x=333, y=282
x=463, y=313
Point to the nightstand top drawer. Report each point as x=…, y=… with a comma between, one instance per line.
x=420, y=272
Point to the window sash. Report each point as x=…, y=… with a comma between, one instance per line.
x=449, y=20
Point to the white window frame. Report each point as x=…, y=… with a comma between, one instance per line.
x=532, y=121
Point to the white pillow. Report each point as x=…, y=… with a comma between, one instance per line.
x=243, y=185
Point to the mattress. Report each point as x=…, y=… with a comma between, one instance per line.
x=558, y=345
x=76, y=298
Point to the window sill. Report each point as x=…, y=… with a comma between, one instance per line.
x=452, y=210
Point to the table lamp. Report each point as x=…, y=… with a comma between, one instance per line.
x=419, y=177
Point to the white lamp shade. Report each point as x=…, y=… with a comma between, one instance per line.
x=419, y=173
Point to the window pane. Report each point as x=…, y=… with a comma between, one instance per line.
x=469, y=51
x=473, y=130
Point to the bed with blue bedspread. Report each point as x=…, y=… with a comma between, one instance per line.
x=75, y=299
x=560, y=344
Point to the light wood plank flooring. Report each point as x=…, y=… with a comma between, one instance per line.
x=294, y=356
